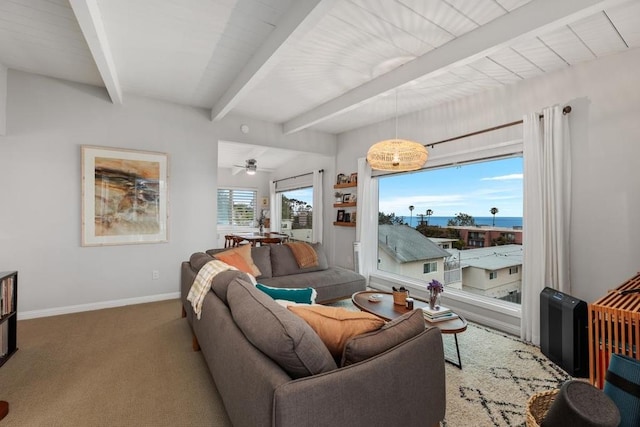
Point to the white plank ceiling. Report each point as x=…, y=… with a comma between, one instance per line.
x=329, y=65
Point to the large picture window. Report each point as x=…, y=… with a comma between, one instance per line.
x=465, y=220
x=237, y=207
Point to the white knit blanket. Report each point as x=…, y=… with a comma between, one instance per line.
x=202, y=283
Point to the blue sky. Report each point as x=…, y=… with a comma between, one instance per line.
x=472, y=189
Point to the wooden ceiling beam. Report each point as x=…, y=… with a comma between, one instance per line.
x=532, y=18
x=300, y=18
x=90, y=21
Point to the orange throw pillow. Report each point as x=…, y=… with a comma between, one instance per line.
x=240, y=258
x=336, y=325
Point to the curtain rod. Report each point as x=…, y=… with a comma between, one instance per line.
x=298, y=176
x=565, y=110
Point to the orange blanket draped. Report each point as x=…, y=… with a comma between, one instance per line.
x=304, y=254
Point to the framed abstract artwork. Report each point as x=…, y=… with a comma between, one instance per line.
x=124, y=196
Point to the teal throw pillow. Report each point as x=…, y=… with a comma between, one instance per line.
x=300, y=295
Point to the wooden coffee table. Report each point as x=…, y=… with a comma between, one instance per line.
x=387, y=310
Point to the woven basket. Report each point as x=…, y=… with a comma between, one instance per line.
x=538, y=405
x=399, y=297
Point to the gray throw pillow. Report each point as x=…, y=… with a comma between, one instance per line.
x=281, y=335
x=283, y=263
x=398, y=330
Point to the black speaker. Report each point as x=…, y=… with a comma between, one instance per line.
x=564, y=331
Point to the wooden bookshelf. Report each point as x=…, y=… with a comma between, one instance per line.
x=8, y=314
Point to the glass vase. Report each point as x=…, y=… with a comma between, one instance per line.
x=434, y=300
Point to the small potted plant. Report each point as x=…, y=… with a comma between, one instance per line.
x=338, y=195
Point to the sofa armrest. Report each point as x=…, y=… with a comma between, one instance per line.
x=402, y=386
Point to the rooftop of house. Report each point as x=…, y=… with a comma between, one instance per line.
x=406, y=244
x=490, y=258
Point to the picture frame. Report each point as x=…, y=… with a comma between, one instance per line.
x=124, y=196
x=347, y=217
x=346, y=197
x=340, y=217
x=353, y=217
x=353, y=178
x=353, y=198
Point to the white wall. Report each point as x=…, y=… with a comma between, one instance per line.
x=3, y=99
x=605, y=96
x=40, y=191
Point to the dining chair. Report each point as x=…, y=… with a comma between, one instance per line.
x=228, y=241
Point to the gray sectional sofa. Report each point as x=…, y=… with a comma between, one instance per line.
x=280, y=269
x=272, y=369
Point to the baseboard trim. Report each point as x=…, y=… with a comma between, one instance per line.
x=33, y=314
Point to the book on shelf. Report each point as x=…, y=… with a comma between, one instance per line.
x=439, y=311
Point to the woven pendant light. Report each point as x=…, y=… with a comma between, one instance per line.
x=397, y=154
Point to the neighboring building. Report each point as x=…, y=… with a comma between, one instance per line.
x=485, y=236
x=443, y=243
x=494, y=272
x=404, y=250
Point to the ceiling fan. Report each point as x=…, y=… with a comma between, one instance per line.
x=250, y=167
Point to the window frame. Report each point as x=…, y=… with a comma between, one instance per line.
x=430, y=264
x=230, y=222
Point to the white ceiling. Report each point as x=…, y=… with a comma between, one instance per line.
x=328, y=65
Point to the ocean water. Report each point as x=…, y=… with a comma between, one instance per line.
x=506, y=221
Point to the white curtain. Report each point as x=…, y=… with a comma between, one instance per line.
x=276, y=208
x=547, y=213
x=367, y=219
x=318, y=203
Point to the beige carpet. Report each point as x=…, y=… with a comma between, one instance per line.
x=126, y=366
x=133, y=366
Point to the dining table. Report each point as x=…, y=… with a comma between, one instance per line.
x=256, y=238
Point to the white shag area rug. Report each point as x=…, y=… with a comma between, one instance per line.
x=499, y=373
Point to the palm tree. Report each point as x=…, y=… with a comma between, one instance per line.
x=411, y=208
x=429, y=213
x=494, y=211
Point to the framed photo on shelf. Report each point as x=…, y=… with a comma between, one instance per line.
x=347, y=217
x=352, y=198
x=340, y=217
x=353, y=178
x=124, y=196
x=353, y=216
x=346, y=197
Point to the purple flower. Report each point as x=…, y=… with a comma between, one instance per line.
x=436, y=286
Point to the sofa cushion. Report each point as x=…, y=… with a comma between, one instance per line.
x=220, y=283
x=398, y=330
x=261, y=256
x=283, y=263
x=198, y=260
x=278, y=333
x=300, y=295
x=336, y=325
x=240, y=258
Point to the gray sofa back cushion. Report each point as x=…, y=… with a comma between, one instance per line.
x=260, y=256
x=283, y=263
x=284, y=337
x=199, y=259
x=221, y=281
